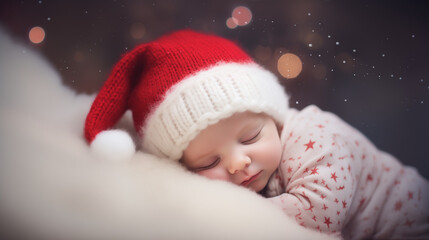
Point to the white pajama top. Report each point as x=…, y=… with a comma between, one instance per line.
x=333, y=179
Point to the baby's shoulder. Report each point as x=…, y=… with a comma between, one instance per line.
x=314, y=122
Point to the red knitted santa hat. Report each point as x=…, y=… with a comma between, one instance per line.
x=176, y=86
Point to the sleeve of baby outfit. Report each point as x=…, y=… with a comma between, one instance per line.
x=317, y=171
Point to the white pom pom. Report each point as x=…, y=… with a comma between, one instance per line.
x=113, y=145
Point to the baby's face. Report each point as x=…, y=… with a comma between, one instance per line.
x=244, y=149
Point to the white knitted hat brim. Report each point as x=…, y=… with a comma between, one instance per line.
x=206, y=97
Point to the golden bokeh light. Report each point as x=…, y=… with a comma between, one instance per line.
x=36, y=35
x=137, y=30
x=289, y=65
x=263, y=53
x=241, y=16
x=319, y=71
x=79, y=56
x=313, y=40
x=345, y=62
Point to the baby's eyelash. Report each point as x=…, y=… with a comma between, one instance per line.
x=253, y=138
x=211, y=165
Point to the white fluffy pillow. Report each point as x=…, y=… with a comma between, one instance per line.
x=52, y=187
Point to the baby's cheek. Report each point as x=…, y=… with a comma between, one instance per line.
x=215, y=173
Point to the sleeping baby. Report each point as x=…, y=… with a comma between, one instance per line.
x=202, y=101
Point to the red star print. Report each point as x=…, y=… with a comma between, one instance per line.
x=327, y=221
x=344, y=204
x=329, y=165
x=340, y=187
x=363, y=157
x=314, y=218
x=289, y=170
x=305, y=170
x=309, y=145
x=398, y=206
x=409, y=223
x=333, y=176
x=362, y=200
x=322, y=196
x=369, y=177
x=349, y=168
x=320, y=126
x=410, y=195
x=336, y=200
x=316, y=181
x=338, y=213
x=310, y=208
x=314, y=171
x=325, y=207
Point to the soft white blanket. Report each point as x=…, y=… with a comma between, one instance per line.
x=51, y=187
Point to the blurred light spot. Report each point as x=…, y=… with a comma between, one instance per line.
x=230, y=23
x=79, y=56
x=137, y=31
x=263, y=53
x=344, y=62
x=319, y=71
x=36, y=35
x=313, y=40
x=241, y=16
x=289, y=65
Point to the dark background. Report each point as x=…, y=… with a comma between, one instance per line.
x=376, y=77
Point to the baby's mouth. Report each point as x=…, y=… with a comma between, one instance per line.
x=248, y=181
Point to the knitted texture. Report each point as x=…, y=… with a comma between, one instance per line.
x=177, y=85
x=207, y=97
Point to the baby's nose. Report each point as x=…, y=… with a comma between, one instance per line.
x=238, y=164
